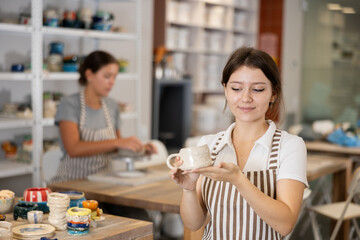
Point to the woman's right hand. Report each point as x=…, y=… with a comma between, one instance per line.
x=131, y=143
x=184, y=179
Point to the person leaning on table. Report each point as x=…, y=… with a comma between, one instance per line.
x=89, y=121
x=254, y=188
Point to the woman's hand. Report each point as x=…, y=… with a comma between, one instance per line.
x=184, y=179
x=227, y=172
x=131, y=143
x=150, y=149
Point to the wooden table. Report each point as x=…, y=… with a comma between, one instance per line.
x=165, y=195
x=330, y=148
x=112, y=227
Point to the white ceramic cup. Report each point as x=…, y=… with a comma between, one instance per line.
x=5, y=230
x=192, y=157
x=35, y=216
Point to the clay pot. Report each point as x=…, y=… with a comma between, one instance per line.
x=36, y=194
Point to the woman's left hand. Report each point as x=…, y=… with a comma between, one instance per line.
x=227, y=172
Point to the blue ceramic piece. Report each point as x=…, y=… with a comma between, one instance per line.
x=76, y=198
x=21, y=209
x=57, y=48
x=70, y=67
x=17, y=67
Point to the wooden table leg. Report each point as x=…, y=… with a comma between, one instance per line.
x=341, y=182
x=190, y=235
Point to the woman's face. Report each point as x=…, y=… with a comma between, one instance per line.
x=103, y=80
x=248, y=93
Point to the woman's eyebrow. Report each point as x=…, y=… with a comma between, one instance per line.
x=255, y=83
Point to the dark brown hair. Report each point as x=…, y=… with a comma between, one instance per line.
x=253, y=58
x=94, y=61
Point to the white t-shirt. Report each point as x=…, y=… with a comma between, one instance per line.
x=292, y=153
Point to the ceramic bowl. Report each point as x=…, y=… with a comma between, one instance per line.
x=21, y=209
x=76, y=198
x=36, y=194
x=91, y=204
x=42, y=205
x=6, y=205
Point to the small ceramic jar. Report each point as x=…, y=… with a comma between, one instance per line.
x=35, y=216
x=21, y=209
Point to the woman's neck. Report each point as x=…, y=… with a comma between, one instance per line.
x=249, y=132
x=92, y=99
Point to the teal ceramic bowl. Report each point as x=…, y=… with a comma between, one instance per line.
x=42, y=205
x=21, y=209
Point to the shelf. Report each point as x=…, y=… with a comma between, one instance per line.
x=74, y=76
x=199, y=51
x=12, y=76
x=16, y=28
x=13, y=122
x=88, y=33
x=9, y=168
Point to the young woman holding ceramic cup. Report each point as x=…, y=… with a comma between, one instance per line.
x=254, y=188
x=89, y=121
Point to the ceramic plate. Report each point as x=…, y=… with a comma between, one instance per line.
x=100, y=219
x=27, y=231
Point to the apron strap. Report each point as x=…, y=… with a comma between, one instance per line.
x=83, y=109
x=273, y=162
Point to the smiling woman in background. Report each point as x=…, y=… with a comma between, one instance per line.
x=254, y=188
x=89, y=121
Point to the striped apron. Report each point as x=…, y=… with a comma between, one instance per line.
x=80, y=167
x=231, y=216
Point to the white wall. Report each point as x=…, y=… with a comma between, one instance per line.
x=292, y=60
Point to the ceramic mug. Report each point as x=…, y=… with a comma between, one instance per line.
x=35, y=216
x=192, y=157
x=5, y=230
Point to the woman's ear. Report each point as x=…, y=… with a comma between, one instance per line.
x=225, y=91
x=89, y=75
x=273, y=98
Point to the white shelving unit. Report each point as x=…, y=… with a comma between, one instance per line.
x=203, y=33
x=37, y=33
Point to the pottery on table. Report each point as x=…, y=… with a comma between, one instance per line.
x=36, y=194
x=5, y=230
x=21, y=209
x=42, y=205
x=76, y=198
x=6, y=204
x=91, y=204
